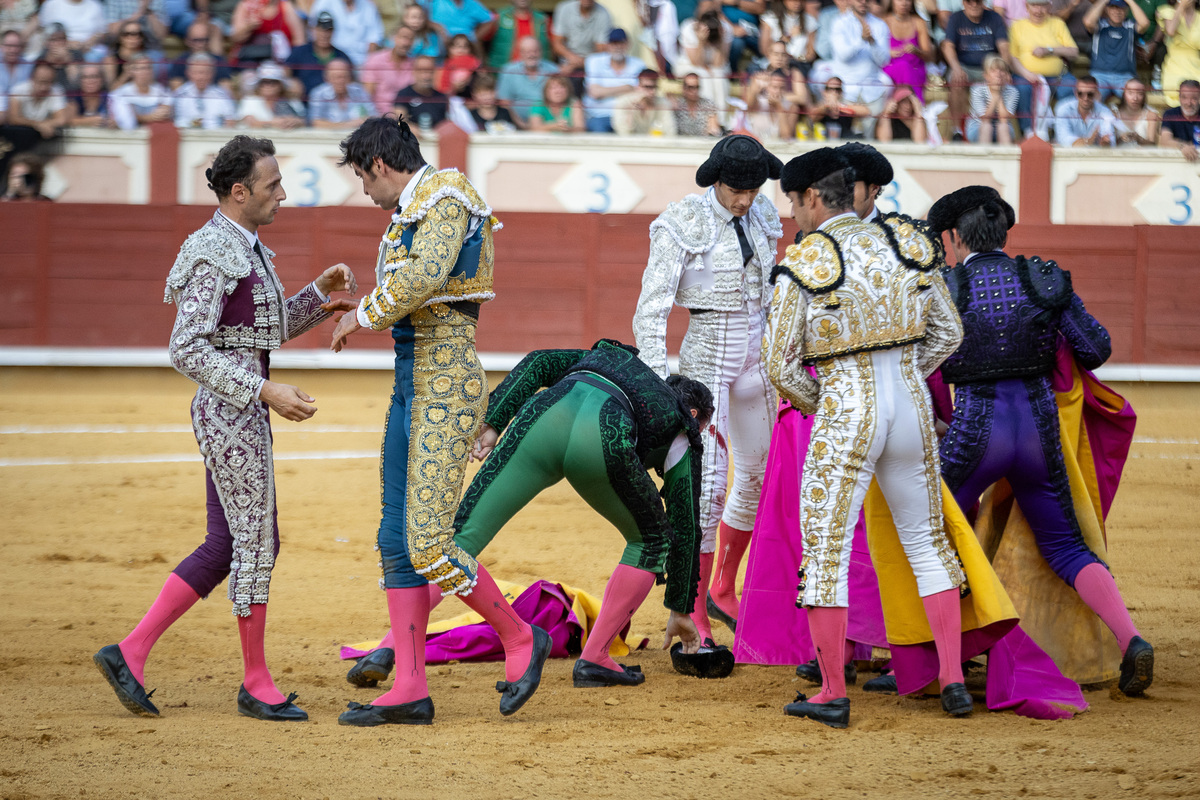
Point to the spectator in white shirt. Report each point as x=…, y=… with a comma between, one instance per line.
x=141, y=100
x=861, y=48
x=1081, y=121
x=83, y=21
x=39, y=104
x=357, y=26
x=269, y=106
x=338, y=102
x=199, y=103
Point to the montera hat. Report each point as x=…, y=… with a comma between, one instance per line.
x=803, y=171
x=869, y=164
x=739, y=162
x=946, y=212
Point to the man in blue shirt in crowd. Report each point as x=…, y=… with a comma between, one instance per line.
x=1114, y=42
x=1181, y=125
x=308, y=61
x=972, y=34
x=460, y=16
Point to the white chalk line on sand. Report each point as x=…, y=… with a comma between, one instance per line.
x=34, y=430
x=178, y=458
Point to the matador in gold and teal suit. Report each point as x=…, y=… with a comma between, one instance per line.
x=434, y=271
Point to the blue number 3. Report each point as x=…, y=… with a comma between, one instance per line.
x=312, y=183
x=1184, y=203
x=601, y=191
x=890, y=194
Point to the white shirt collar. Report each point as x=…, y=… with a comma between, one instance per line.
x=407, y=194
x=874, y=215
x=831, y=220
x=251, y=238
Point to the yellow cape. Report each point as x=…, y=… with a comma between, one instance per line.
x=903, y=611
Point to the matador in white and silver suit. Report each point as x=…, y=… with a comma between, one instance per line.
x=874, y=319
x=712, y=254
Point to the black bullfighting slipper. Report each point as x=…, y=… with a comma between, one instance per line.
x=111, y=663
x=417, y=712
x=835, y=713
x=513, y=694
x=956, y=700
x=711, y=661
x=884, y=684
x=811, y=672
x=287, y=711
x=588, y=675
x=372, y=668
x=1137, y=667
x=715, y=612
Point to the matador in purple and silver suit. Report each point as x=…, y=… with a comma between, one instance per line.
x=232, y=313
x=1015, y=312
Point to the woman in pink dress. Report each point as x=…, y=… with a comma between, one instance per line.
x=911, y=47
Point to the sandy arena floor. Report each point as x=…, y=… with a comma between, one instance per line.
x=102, y=492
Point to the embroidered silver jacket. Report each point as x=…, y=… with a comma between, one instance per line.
x=678, y=272
x=207, y=271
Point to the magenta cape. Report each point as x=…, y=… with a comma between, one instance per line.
x=544, y=604
x=771, y=630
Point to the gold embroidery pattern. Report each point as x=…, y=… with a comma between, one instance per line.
x=443, y=209
x=933, y=468
x=450, y=402
x=879, y=308
x=831, y=471
x=816, y=262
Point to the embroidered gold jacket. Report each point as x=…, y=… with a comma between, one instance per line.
x=852, y=287
x=438, y=249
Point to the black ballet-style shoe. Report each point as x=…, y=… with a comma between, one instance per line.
x=835, y=713
x=250, y=706
x=1137, y=667
x=514, y=694
x=589, y=675
x=956, y=700
x=372, y=668
x=710, y=661
x=111, y=663
x=417, y=712
x=811, y=672
x=884, y=684
x=715, y=612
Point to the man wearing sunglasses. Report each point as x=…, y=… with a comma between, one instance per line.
x=1081, y=121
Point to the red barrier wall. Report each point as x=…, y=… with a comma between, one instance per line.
x=93, y=275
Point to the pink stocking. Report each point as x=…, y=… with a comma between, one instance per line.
x=409, y=611
x=172, y=603
x=489, y=602
x=1097, y=588
x=732, y=546
x=945, y=619
x=435, y=599
x=624, y=594
x=257, y=679
x=827, y=626
x=699, y=613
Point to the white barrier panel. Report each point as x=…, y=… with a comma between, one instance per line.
x=307, y=159
x=598, y=173
x=100, y=166
x=1106, y=186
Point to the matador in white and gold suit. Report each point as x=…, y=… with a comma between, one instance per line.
x=712, y=254
x=874, y=318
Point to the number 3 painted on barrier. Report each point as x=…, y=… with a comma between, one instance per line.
x=1183, y=202
x=312, y=183
x=601, y=191
x=890, y=194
